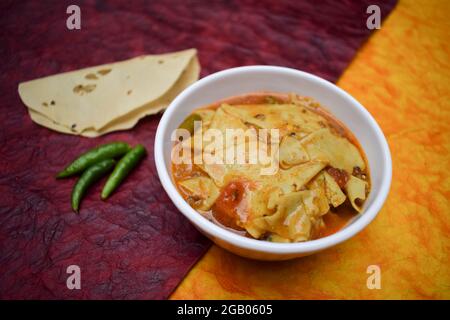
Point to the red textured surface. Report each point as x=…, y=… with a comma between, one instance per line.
x=135, y=245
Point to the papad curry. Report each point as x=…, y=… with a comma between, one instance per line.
x=320, y=183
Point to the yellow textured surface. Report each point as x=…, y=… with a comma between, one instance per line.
x=402, y=76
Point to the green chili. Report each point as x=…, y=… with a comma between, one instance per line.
x=122, y=169
x=189, y=123
x=93, y=156
x=89, y=176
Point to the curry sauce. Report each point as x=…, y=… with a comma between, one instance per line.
x=320, y=186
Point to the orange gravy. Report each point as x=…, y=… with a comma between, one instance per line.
x=230, y=195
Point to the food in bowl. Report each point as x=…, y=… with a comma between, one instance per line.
x=270, y=166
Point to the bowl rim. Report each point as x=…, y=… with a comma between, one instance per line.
x=253, y=244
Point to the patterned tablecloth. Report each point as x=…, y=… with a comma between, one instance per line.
x=137, y=245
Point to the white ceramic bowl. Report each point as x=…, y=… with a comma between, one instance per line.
x=243, y=80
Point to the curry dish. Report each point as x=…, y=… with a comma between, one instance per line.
x=322, y=177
